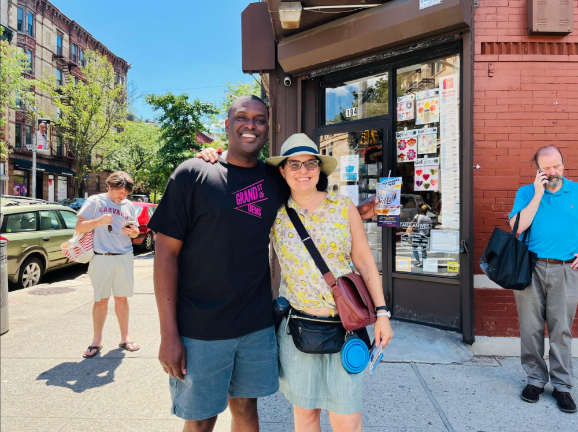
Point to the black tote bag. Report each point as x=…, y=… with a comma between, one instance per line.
x=507, y=261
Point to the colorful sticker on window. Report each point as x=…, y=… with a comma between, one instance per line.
x=427, y=107
x=406, y=145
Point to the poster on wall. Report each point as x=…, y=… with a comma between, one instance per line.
x=350, y=168
x=406, y=108
x=427, y=107
x=43, y=131
x=426, y=175
x=427, y=140
x=388, y=208
x=406, y=145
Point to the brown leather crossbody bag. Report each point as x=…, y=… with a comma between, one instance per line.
x=354, y=304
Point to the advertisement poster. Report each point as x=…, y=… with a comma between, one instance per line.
x=426, y=176
x=430, y=265
x=427, y=140
x=406, y=145
x=428, y=107
x=43, y=135
x=444, y=241
x=350, y=168
x=388, y=193
x=406, y=108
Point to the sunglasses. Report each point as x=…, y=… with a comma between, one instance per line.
x=309, y=164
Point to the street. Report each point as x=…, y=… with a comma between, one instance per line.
x=48, y=386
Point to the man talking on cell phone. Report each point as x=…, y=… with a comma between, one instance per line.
x=550, y=206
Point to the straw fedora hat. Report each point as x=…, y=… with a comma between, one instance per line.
x=301, y=144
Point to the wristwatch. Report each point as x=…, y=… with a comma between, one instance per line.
x=384, y=311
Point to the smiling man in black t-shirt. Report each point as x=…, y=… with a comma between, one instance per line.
x=212, y=278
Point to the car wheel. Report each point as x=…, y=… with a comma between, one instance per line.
x=148, y=243
x=31, y=273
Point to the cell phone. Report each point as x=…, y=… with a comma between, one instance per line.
x=541, y=172
x=129, y=223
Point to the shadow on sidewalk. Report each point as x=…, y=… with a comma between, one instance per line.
x=87, y=374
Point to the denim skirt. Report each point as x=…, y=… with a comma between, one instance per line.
x=312, y=381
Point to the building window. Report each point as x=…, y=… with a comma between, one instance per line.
x=74, y=53
x=58, y=113
x=119, y=79
x=75, y=80
x=30, y=61
x=20, y=26
x=58, y=146
x=59, y=44
x=28, y=137
x=18, y=136
x=59, y=82
x=82, y=59
x=31, y=24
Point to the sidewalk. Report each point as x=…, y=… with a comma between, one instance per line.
x=48, y=386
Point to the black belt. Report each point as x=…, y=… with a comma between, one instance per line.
x=554, y=261
x=108, y=253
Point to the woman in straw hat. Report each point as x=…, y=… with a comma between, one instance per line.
x=312, y=382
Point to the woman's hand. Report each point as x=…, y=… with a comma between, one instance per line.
x=383, y=330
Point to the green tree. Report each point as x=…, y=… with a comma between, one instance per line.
x=217, y=121
x=93, y=111
x=15, y=88
x=179, y=122
x=135, y=152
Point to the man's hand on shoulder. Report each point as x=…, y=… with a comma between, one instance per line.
x=210, y=154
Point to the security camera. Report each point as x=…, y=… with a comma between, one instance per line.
x=287, y=81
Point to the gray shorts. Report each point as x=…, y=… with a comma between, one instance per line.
x=244, y=367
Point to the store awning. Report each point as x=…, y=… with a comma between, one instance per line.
x=26, y=164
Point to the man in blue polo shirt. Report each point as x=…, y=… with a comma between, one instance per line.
x=550, y=205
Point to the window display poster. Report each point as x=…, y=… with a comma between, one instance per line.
x=428, y=107
x=427, y=141
x=406, y=108
x=406, y=145
x=388, y=193
x=350, y=168
x=372, y=169
x=453, y=267
x=430, y=265
x=351, y=191
x=426, y=178
x=403, y=264
x=444, y=241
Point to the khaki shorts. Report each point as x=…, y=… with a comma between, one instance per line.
x=112, y=274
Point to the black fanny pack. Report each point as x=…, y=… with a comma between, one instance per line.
x=318, y=335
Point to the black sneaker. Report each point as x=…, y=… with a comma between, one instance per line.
x=531, y=393
x=564, y=401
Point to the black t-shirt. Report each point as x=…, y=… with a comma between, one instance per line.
x=223, y=214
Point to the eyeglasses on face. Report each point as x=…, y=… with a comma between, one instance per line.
x=310, y=164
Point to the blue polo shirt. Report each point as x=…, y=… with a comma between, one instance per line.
x=554, y=231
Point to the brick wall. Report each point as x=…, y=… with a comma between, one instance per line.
x=525, y=96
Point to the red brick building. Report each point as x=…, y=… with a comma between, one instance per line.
x=525, y=96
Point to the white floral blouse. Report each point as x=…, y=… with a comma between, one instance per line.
x=301, y=281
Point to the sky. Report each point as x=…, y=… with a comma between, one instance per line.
x=182, y=46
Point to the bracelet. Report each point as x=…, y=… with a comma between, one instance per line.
x=387, y=314
x=385, y=308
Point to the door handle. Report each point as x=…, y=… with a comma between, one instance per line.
x=46, y=238
x=464, y=247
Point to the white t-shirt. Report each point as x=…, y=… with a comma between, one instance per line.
x=115, y=241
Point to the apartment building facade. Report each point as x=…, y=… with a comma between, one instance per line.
x=55, y=46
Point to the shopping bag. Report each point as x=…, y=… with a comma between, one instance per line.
x=79, y=248
x=507, y=261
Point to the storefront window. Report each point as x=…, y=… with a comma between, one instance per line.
x=20, y=183
x=359, y=157
x=427, y=148
x=357, y=99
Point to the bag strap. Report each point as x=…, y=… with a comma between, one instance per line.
x=526, y=233
x=308, y=242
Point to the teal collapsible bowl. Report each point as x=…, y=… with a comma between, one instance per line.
x=354, y=355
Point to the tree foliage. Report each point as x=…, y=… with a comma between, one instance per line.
x=92, y=113
x=15, y=88
x=179, y=122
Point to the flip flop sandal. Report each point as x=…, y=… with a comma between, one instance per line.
x=90, y=348
x=125, y=346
